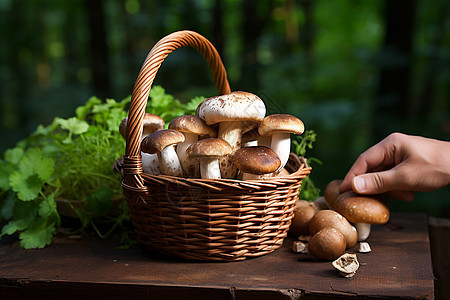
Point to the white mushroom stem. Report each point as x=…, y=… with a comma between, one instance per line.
x=169, y=162
x=281, y=144
x=150, y=163
x=189, y=166
x=363, y=231
x=231, y=132
x=209, y=168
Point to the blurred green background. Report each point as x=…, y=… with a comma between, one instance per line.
x=353, y=71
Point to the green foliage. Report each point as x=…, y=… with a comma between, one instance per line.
x=71, y=159
x=301, y=144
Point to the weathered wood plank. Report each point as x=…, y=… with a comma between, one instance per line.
x=399, y=266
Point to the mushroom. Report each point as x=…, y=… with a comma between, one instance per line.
x=330, y=218
x=347, y=265
x=163, y=144
x=208, y=151
x=327, y=244
x=331, y=191
x=150, y=124
x=232, y=112
x=362, y=211
x=279, y=127
x=303, y=213
x=255, y=162
x=192, y=127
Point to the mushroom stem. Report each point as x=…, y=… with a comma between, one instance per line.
x=209, y=168
x=169, y=162
x=281, y=144
x=363, y=230
x=150, y=164
x=190, y=167
x=229, y=131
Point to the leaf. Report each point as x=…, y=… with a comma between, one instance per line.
x=34, y=163
x=73, y=125
x=5, y=171
x=47, y=208
x=38, y=235
x=26, y=187
x=13, y=155
x=13, y=226
x=6, y=211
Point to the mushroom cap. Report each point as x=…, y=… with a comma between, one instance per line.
x=156, y=142
x=236, y=106
x=280, y=123
x=331, y=191
x=362, y=209
x=331, y=218
x=150, y=124
x=327, y=244
x=192, y=124
x=257, y=160
x=303, y=213
x=211, y=147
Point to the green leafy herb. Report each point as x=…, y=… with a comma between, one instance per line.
x=70, y=161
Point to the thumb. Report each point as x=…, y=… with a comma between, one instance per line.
x=375, y=183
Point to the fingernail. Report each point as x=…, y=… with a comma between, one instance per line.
x=359, y=184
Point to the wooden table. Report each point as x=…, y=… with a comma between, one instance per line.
x=399, y=266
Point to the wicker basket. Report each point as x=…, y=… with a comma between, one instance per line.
x=203, y=219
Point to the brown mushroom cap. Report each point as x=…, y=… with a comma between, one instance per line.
x=303, y=213
x=331, y=191
x=280, y=123
x=192, y=124
x=257, y=160
x=327, y=244
x=156, y=142
x=150, y=124
x=211, y=147
x=236, y=106
x=362, y=209
x=330, y=218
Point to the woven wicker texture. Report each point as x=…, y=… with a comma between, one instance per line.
x=203, y=219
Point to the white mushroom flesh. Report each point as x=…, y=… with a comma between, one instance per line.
x=190, y=166
x=281, y=144
x=363, y=231
x=169, y=162
x=150, y=163
x=209, y=168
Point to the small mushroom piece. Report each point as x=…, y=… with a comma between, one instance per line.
x=330, y=218
x=364, y=247
x=192, y=127
x=255, y=162
x=303, y=213
x=347, y=265
x=362, y=211
x=327, y=244
x=299, y=247
x=331, y=191
x=208, y=151
x=279, y=127
x=163, y=144
x=232, y=112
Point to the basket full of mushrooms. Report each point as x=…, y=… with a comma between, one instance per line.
x=220, y=185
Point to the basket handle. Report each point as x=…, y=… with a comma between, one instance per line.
x=148, y=72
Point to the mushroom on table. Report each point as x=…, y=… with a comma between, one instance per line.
x=208, y=151
x=255, y=162
x=279, y=127
x=232, y=112
x=163, y=144
x=362, y=211
x=192, y=127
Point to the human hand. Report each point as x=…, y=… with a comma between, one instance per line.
x=400, y=165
